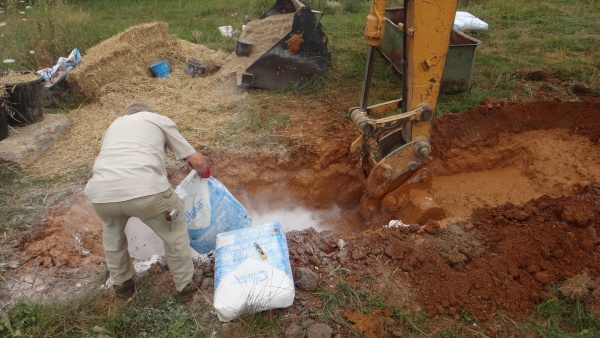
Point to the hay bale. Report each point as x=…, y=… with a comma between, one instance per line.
x=123, y=56
x=128, y=55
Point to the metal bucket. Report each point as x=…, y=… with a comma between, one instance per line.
x=194, y=68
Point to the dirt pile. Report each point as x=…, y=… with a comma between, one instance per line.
x=502, y=260
x=488, y=122
x=71, y=238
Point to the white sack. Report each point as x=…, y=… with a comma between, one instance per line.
x=245, y=282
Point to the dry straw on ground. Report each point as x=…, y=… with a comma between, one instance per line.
x=116, y=72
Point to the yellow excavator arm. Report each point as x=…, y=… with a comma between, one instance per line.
x=395, y=148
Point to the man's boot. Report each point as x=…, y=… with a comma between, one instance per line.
x=125, y=290
x=187, y=293
x=189, y=290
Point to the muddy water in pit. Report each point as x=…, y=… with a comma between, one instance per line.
x=498, y=153
x=519, y=168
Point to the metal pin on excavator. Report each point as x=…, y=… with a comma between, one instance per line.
x=394, y=149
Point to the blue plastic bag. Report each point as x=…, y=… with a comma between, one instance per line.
x=209, y=209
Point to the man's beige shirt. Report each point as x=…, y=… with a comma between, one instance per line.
x=131, y=162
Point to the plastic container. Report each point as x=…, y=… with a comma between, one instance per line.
x=252, y=271
x=194, y=68
x=161, y=68
x=22, y=104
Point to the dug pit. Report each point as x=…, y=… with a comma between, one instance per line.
x=482, y=158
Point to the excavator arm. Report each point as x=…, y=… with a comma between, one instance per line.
x=396, y=147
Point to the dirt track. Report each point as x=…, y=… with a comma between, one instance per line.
x=519, y=184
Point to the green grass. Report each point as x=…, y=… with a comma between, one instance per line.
x=555, y=34
x=559, y=317
x=338, y=297
x=87, y=314
x=21, y=199
x=262, y=324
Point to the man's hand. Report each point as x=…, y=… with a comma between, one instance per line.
x=197, y=162
x=206, y=172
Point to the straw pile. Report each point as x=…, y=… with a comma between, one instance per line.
x=128, y=56
x=115, y=72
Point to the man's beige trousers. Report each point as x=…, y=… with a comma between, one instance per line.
x=152, y=210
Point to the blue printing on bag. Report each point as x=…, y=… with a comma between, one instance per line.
x=271, y=239
x=226, y=214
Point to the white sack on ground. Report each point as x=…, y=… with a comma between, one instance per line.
x=245, y=282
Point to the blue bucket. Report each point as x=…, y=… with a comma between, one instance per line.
x=161, y=68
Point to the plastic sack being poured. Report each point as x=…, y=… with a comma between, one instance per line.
x=209, y=209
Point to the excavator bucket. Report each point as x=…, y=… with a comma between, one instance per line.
x=285, y=47
x=394, y=149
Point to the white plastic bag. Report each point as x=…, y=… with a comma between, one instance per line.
x=226, y=31
x=209, y=210
x=466, y=21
